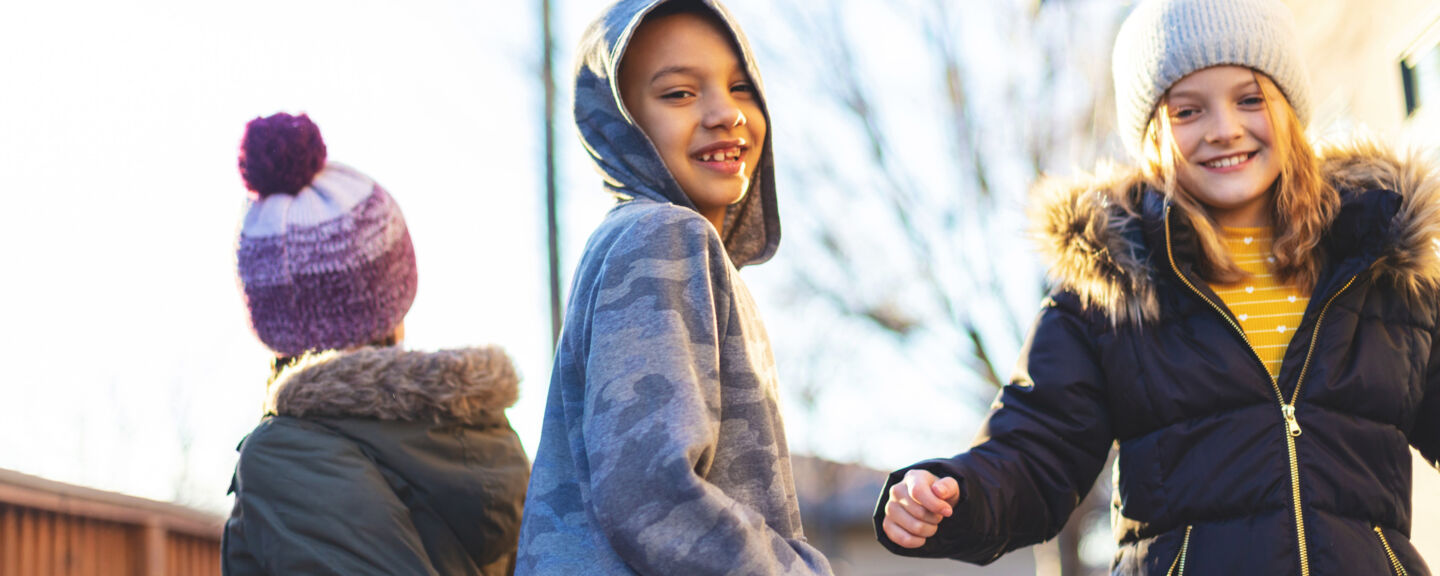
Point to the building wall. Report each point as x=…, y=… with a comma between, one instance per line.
x=1354, y=49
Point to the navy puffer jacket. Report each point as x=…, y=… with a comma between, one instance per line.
x=1222, y=469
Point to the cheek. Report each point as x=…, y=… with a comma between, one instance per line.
x=755, y=119
x=1190, y=177
x=1263, y=133
x=670, y=137
x=1187, y=141
x=659, y=126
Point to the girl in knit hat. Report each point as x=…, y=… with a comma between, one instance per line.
x=371, y=459
x=1253, y=321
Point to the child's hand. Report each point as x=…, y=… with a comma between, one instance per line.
x=916, y=507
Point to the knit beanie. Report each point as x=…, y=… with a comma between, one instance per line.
x=325, y=259
x=1163, y=41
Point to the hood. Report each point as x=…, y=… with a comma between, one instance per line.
x=1090, y=227
x=626, y=158
x=468, y=386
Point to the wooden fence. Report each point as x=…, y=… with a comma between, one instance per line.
x=53, y=529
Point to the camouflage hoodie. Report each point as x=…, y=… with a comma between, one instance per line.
x=663, y=450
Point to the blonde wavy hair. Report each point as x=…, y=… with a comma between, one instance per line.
x=1302, y=202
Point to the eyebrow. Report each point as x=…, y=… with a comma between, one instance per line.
x=668, y=70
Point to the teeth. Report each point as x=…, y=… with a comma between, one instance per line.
x=1227, y=162
x=729, y=154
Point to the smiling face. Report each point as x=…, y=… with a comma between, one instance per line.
x=1225, y=142
x=684, y=85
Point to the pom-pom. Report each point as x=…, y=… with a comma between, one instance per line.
x=280, y=154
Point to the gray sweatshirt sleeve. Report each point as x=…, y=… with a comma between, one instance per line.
x=653, y=411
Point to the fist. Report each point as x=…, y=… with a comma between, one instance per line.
x=917, y=505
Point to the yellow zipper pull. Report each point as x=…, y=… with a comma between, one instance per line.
x=1291, y=424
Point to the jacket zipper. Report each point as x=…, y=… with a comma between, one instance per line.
x=1394, y=560
x=1179, y=562
x=1287, y=411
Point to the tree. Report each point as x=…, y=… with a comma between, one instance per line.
x=925, y=125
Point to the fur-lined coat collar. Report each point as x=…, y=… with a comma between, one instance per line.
x=469, y=386
x=1098, y=250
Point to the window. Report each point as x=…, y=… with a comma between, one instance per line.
x=1420, y=73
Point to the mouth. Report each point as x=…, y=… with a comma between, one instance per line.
x=724, y=157
x=1229, y=161
x=731, y=154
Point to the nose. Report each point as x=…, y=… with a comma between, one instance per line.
x=1224, y=126
x=724, y=112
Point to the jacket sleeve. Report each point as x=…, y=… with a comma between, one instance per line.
x=652, y=413
x=1425, y=435
x=1036, y=456
x=308, y=501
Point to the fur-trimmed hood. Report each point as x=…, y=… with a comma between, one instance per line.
x=464, y=386
x=1094, y=245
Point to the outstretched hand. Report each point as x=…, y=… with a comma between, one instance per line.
x=916, y=507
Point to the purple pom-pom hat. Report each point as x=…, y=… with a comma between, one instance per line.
x=329, y=267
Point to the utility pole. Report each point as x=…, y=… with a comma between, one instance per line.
x=552, y=226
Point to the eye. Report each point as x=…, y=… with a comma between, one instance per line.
x=677, y=95
x=1252, y=101
x=744, y=87
x=1184, y=113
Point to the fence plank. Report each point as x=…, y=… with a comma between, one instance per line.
x=28, y=527
x=9, y=540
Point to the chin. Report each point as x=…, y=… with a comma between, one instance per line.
x=719, y=196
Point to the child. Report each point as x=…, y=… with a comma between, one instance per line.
x=1253, y=323
x=663, y=451
x=372, y=459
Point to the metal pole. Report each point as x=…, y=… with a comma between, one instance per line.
x=551, y=218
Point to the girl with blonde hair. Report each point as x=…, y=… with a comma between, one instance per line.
x=1252, y=320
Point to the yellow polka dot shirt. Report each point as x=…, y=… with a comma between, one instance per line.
x=1268, y=310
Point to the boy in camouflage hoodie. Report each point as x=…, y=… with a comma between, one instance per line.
x=663, y=450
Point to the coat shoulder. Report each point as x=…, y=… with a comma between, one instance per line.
x=1410, y=259
x=1089, y=232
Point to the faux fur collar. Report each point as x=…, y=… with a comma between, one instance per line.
x=1094, y=249
x=464, y=386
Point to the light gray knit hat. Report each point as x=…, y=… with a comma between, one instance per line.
x=1162, y=41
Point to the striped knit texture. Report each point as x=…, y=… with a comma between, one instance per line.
x=1163, y=41
x=329, y=268
x=1268, y=310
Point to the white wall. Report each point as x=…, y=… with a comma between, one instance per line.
x=1353, y=49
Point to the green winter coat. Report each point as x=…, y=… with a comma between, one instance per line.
x=384, y=462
